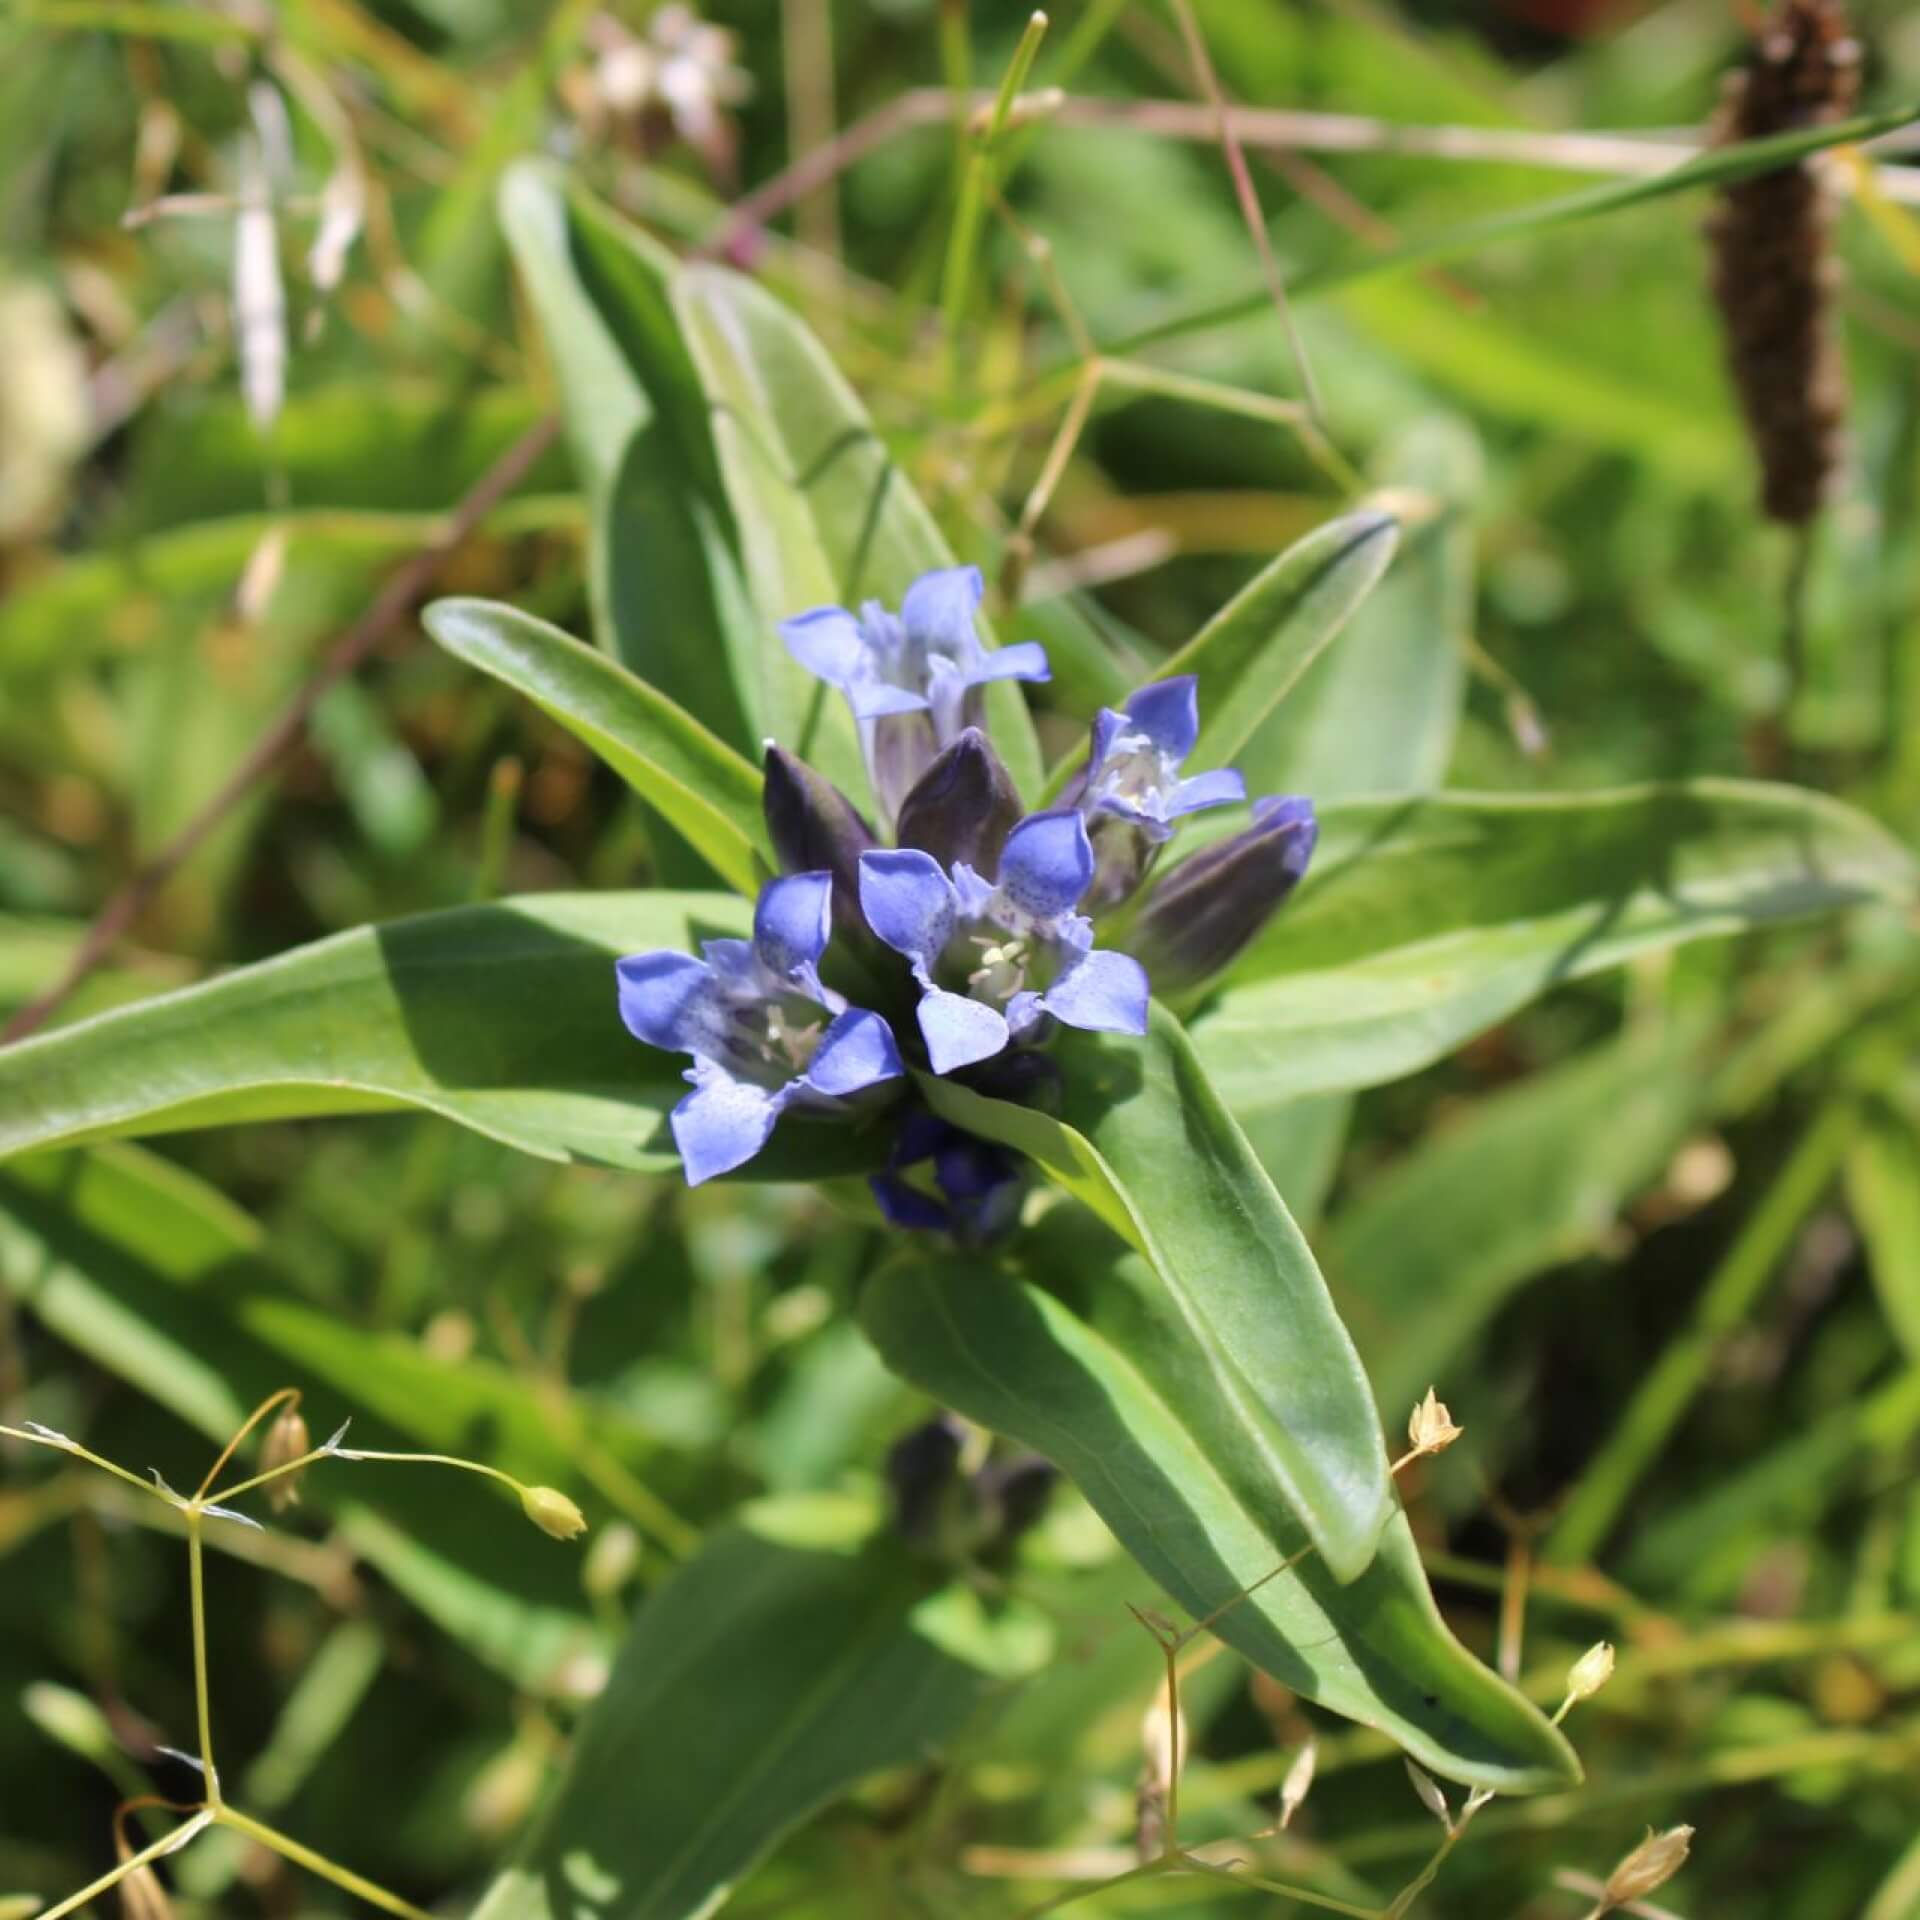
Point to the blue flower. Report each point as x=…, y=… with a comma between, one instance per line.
x=977, y=1184
x=1019, y=949
x=1132, y=791
x=913, y=679
x=765, y=1033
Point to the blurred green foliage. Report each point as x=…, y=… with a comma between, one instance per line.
x=1574, y=1220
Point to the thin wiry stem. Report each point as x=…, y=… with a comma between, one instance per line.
x=1249, y=199
x=303, y=1856
x=166, y=1844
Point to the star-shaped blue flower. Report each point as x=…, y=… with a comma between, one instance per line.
x=1018, y=949
x=765, y=1033
x=1133, y=770
x=913, y=679
x=1132, y=791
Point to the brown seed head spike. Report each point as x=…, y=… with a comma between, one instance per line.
x=1772, y=265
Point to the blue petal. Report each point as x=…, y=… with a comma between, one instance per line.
x=872, y=699
x=827, y=641
x=1106, y=729
x=959, y=1031
x=1047, y=863
x=792, y=921
x=939, y=606
x=670, y=1000
x=856, y=1051
x=722, y=1124
x=1285, y=810
x=1168, y=713
x=908, y=902
x=1025, y=661
x=1219, y=788
x=1104, y=992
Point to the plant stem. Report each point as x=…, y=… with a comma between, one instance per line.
x=1669, y=1389
x=166, y=1844
x=301, y=1856
x=963, y=240
x=202, y=1703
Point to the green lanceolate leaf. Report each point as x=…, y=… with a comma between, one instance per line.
x=1253, y=651
x=695, y=780
x=1717, y=167
x=1426, y=1254
x=825, y=515
x=164, y=1283
x=663, y=561
x=1377, y=714
x=1277, y=1397
x=1883, y=1187
x=501, y=1017
x=802, y=1650
x=1426, y=920
x=1102, y=1378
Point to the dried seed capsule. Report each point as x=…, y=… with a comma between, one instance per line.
x=287, y=1440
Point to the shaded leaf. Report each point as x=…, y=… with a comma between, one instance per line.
x=161, y=1281
x=1525, y=1180
x=1277, y=1397
x=801, y=1651
x=1100, y=1379
x=696, y=781
x=1425, y=920
x=502, y=1017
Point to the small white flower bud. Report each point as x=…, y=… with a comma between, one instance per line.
x=1294, y=1788
x=1431, y=1797
x=1591, y=1671
x=553, y=1513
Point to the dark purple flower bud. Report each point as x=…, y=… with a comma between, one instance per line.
x=921, y=1471
x=963, y=806
x=1209, y=908
x=976, y=1186
x=1015, y=1492
x=815, y=828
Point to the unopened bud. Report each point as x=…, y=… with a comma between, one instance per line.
x=553, y=1513
x=963, y=806
x=1650, y=1865
x=815, y=827
x=287, y=1440
x=611, y=1561
x=1201, y=915
x=1431, y=1429
x=921, y=1469
x=1431, y=1797
x=1294, y=1788
x=1591, y=1671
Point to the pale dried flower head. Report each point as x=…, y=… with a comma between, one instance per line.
x=1431, y=1429
x=553, y=1513
x=287, y=1440
x=1591, y=1671
x=1650, y=1865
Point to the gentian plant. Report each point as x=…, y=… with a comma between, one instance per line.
x=984, y=907
x=1006, y=956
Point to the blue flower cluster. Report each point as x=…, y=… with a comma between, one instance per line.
x=977, y=924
